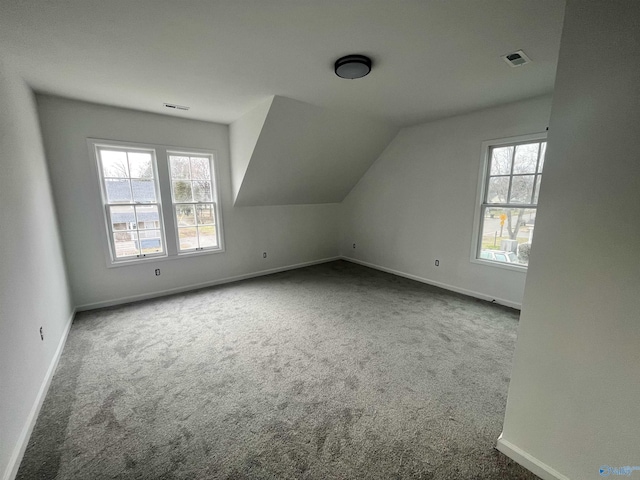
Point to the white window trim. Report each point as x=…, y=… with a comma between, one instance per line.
x=215, y=200
x=482, y=185
x=163, y=183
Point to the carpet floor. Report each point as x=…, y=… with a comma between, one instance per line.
x=334, y=371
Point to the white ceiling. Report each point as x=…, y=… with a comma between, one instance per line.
x=431, y=58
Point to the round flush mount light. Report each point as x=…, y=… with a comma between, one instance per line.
x=353, y=66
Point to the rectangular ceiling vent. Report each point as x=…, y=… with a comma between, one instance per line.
x=516, y=59
x=176, y=107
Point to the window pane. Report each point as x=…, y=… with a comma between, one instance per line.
x=491, y=231
x=140, y=165
x=150, y=241
x=507, y=234
x=182, y=191
x=132, y=200
x=526, y=158
x=126, y=244
x=188, y=238
x=501, y=160
x=200, y=168
x=201, y=191
x=122, y=218
x=537, y=192
x=147, y=217
x=543, y=151
x=498, y=190
x=207, y=236
x=179, y=167
x=206, y=214
x=118, y=191
x=143, y=191
x=114, y=164
x=522, y=189
x=185, y=215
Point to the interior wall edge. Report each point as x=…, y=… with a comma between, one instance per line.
x=197, y=286
x=452, y=288
x=20, y=447
x=528, y=461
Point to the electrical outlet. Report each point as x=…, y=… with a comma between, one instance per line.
x=354, y=245
x=264, y=254
x=157, y=272
x=41, y=334
x=437, y=263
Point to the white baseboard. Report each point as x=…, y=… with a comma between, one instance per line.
x=18, y=452
x=528, y=461
x=16, y=458
x=471, y=293
x=171, y=291
x=505, y=447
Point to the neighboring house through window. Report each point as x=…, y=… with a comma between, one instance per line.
x=132, y=185
x=508, y=200
x=132, y=202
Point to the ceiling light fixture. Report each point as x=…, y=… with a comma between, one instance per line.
x=353, y=66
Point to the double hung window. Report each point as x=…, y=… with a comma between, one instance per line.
x=193, y=194
x=132, y=202
x=509, y=189
x=134, y=179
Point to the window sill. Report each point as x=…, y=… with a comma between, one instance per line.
x=161, y=258
x=504, y=266
x=197, y=253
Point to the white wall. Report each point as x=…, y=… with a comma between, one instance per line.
x=33, y=283
x=243, y=136
x=417, y=202
x=307, y=154
x=290, y=234
x=574, y=395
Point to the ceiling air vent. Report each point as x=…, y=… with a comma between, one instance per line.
x=176, y=107
x=516, y=59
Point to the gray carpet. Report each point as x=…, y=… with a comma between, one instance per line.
x=334, y=371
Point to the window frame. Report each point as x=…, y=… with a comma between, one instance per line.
x=483, y=184
x=106, y=206
x=162, y=180
x=214, y=201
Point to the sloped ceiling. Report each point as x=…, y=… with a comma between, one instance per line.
x=431, y=58
x=303, y=154
x=243, y=137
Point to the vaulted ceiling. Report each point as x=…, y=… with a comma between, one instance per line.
x=302, y=154
x=227, y=59
x=432, y=58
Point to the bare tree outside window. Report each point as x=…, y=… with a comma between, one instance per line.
x=131, y=202
x=130, y=191
x=194, y=201
x=509, y=203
